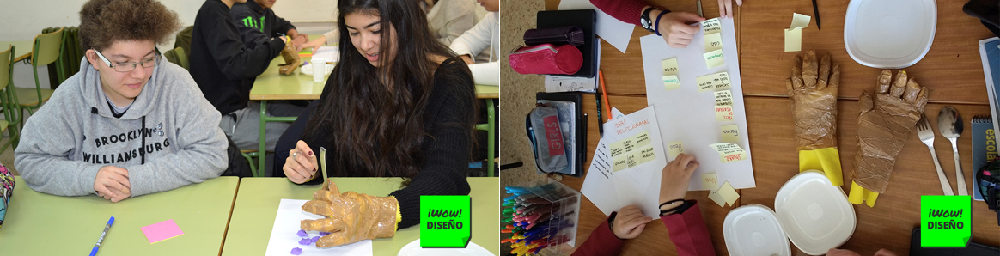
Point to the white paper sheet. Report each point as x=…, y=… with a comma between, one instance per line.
x=331, y=53
x=616, y=32
x=611, y=190
x=288, y=222
x=687, y=115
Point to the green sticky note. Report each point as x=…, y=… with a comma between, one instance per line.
x=945, y=221
x=445, y=221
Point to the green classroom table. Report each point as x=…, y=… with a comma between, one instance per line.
x=43, y=224
x=258, y=199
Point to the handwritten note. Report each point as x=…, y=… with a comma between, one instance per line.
x=730, y=133
x=729, y=193
x=674, y=149
x=709, y=181
x=647, y=154
x=714, y=58
x=626, y=153
x=723, y=98
x=669, y=67
x=671, y=82
x=729, y=152
x=713, y=42
x=723, y=113
x=721, y=80
x=711, y=26
x=705, y=83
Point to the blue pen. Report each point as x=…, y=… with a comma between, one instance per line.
x=106, y=228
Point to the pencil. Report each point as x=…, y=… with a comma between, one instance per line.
x=604, y=92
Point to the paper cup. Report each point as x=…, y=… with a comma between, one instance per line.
x=319, y=69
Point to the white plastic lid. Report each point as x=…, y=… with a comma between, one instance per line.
x=889, y=34
x=815, y=215
x=752, y=230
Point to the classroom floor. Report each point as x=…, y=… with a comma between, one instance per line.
x=517, y=95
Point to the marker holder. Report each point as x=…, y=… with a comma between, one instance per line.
x=563, y=215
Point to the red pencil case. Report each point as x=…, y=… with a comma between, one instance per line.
x=546, y=59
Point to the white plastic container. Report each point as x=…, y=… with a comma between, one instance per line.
x=809, y=210
x=889, y=34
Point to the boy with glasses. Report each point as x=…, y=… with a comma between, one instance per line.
x=128, y=123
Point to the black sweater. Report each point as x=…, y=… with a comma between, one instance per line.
x=446, y=153
x=221, y=65
x=257, y=24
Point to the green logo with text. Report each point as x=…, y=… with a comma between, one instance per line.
x=445, y=221
x=946, y=221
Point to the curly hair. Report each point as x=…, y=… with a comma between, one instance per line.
x=102, y=22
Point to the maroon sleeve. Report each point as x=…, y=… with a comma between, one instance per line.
x=628, y=11
x=688, y=232
x=601, y=242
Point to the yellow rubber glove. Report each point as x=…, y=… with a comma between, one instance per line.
x=884, y=125
x=351, y=216
x=813, y=90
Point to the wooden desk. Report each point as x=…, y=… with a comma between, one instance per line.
x=24, y=48
x=258, y=199
x=897, y=211
x=952, y=69
x=44, y=224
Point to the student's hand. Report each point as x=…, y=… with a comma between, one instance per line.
x=675, y=29
x=629, y=222
x=284, y=39
x=298, y=40
x=301, y=164
x=676, y=175
x=315, y=44
x=842, y=252
x=726, y=7
x=467, y=59
x=112, y=183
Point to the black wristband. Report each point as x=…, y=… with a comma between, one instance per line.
x=611, y=224
x=677, y=209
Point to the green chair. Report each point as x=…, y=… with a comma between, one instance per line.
x=489, y=127
x=11, y=111
x=47, y=49
x=249, y=154
x=177, y=56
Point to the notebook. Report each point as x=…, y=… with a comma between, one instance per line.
x=984, y=147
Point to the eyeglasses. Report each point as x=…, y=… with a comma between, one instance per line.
x=125, y=67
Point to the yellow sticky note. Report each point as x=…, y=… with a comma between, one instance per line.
x=709, y=181
x=619, y=163
x=669, y=67
x=729, y=193
x=713, y=42
x=633, y=159
x=723, y=98
x=723, y=113
x=712, y=26
x=730, y=133
x=628, y=145
x=714, y=58
x=705, y=83
x=729, y=152
x=616, y=149
x=800, y=21
x=647, y=154
x=721, y=80
x=671, y=82
x=674, y=149
x=641, y=139
x=717, y=198
x=793, y=40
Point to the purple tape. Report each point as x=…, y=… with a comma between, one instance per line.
x=305, y=241
x=324, y=233
x=315, y=238
x=296, y=251
x=302, y=233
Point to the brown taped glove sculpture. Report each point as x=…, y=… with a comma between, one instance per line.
x=884, y=126
x=292, y=60
x=813, y=90
x=350, y=216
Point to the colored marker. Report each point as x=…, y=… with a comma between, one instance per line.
x=103, y=234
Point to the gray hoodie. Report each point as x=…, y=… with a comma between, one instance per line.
x=168, y=138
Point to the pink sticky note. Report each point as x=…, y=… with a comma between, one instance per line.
x=161, y=231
